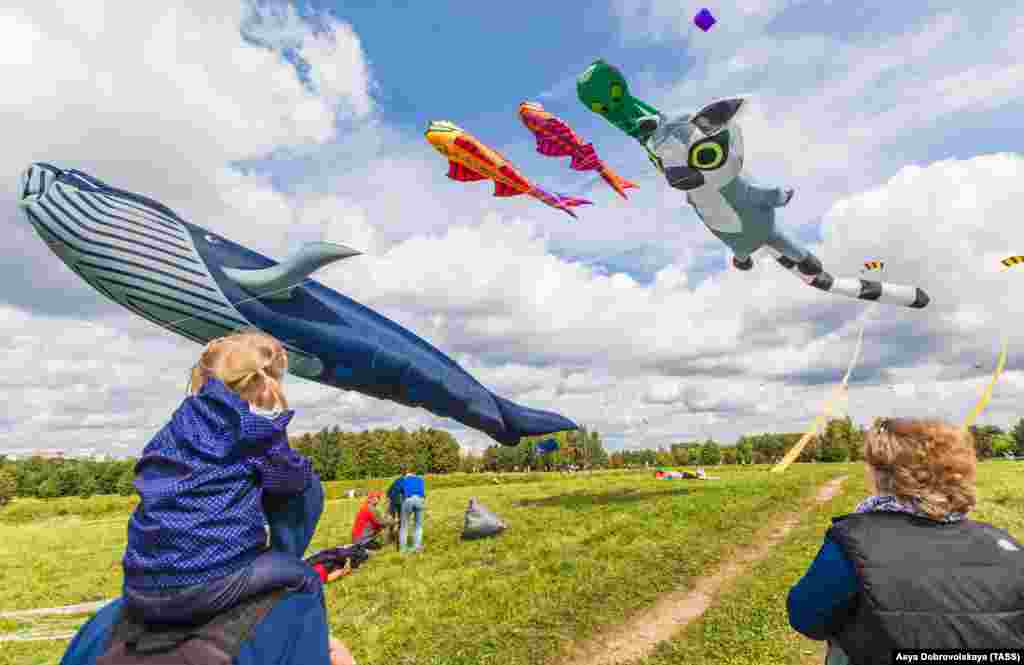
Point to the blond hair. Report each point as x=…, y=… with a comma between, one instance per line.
x=927, y=461
x=249, y=362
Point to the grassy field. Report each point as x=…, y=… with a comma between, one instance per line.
x=581, y=552
x=748, y=623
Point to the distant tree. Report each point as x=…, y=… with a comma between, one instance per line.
x=1018, y=436
x=595, y=454
x=729, y=455
x=744, y=451
x=67, y=478
x=663, y=458
x=86, y=486
x=8, y=486
x=491, y=458
x=710, y=453
x=444, y=451
x=49, y=488
x=1002, y=444
x=834, y=442
x=856, y=445
x=983, y=436
x=86, y=481
x=106, y=478
x=680, y=454
x=767, y=448
x=126, y=483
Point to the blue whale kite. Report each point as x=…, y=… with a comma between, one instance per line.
x=142, y=255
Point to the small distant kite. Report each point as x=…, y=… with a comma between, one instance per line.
x=704, y=20
x=874, y=265
x=547, y=446
x=1011, y=261
x=470, y=160
x=556, y=139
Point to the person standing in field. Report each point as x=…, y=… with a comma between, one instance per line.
x=413, y=499
x=907, y=570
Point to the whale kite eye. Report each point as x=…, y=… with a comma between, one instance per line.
x=210, y=239
x=707, y=155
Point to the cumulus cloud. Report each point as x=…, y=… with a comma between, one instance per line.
x=506, y=287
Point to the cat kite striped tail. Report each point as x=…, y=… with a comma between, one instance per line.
x=810, y=271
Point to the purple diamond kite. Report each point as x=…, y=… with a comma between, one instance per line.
x=704, y=20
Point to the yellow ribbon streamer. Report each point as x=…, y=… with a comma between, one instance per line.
x=826, y=411
x=986, y=394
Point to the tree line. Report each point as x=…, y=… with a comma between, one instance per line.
x=382, y=453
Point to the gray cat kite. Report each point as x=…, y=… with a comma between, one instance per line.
x=702, y=155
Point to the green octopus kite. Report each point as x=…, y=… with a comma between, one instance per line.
x=701, y=154
x=603, y=89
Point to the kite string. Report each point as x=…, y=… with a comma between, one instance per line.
x=986, y=393
x=839, y=390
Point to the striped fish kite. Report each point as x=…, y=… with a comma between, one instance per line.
x=556, y=139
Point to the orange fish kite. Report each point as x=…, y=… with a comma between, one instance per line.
x=470, y=160
x=556, y=139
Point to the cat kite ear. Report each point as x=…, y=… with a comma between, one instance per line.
x=715, y=116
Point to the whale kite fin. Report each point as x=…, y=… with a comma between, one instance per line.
x=277, y=282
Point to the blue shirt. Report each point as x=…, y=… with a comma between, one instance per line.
x=413, y=486
x=294, y=632
x=828, y=586
x=395, y=496
x=201, y=480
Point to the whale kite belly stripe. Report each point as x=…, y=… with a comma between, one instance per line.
x=137, y=256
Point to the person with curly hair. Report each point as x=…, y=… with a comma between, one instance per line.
x=907, y=569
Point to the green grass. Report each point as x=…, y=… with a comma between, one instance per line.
x=748, y=622
x=581, y=552
x=29, y=509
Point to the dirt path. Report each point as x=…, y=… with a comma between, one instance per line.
x=638, y=636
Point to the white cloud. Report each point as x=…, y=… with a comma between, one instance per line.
x=476, y=276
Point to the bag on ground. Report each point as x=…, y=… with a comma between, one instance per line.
x=480, y=522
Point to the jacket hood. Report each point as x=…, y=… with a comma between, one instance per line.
x=217, y=419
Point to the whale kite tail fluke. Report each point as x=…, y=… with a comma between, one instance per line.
x=523, y=421
x=810, y=271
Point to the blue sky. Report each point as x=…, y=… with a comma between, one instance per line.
x=472, y=64
x=897, y=124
